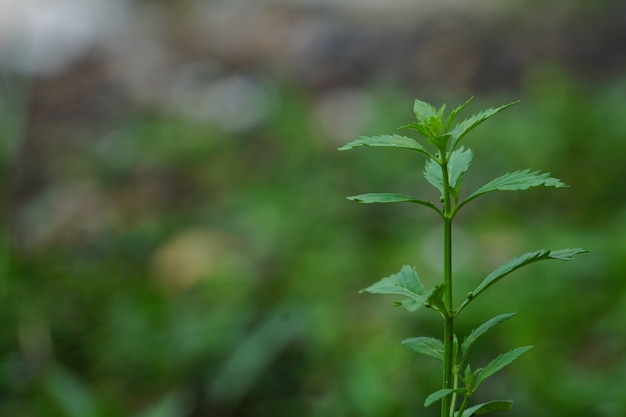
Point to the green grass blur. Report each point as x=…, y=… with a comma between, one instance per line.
x=172, y=268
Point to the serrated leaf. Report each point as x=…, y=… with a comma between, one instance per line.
x=439, y=394
x=389, y=198
x=523, y=260
x=429, y=122
x=390, y=141
x=488, y=407
x=518, y=180
x=428, y=346
x=500, y=362
x=469, y=341
x=406, y=283
x=432, y=174
x=464, y=127
x=431, y=130
x=423, y=111
x=459, y=163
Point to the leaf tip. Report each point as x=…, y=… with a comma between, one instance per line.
x=354, y=198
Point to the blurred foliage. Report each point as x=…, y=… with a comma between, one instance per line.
x=170, y=268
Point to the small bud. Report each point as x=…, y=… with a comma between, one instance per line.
x=442, y=200
x=427, y=304
x=470, y=295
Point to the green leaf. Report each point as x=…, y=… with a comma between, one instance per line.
x=469, y=341
x=390, y=141
x=518, y=180
x=426, y=346
x=406, y=283
x=424, y=111
x=435, y=297
x=500, y=362
x=429, y=122
x=439, y=394
x=525, y=259
x=455, y=113
x=390, y=198
x=459, y=163
x=488, y=407
x=432, y=173
x=464, y=127
x=470, y=378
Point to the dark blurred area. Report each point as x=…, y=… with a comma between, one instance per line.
x=179, y=243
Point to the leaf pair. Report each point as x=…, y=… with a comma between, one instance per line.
x=458, y=164
x=431, y=124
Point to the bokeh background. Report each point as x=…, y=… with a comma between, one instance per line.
x=179, y=243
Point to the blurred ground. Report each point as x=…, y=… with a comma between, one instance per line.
x=178, y=242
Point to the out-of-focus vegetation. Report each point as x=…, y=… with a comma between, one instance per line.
x=190, y=252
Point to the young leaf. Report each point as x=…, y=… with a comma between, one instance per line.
x=469, y=341
x=390, y=141
x=499, y=363
x=518, y=180
x=429, y=122
x=470, y=379
x=459, y=163
x=488, y=407
x=406, y=283
x=435, y=297
x=426, y=346
x=439, y=394
x=432, y=173
x=525, y=259
x=424, y=111
x=464, y=127
x=390, y=198
x=455, y=113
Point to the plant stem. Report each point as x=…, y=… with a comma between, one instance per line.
x=464, y=404
x=448, y=336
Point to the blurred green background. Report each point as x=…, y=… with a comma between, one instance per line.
x=178, y=239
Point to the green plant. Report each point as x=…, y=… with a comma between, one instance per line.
x=446, y=166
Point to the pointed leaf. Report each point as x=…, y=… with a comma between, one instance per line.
x=390, y=141
x=426, y=346
x=464, y=127
x=455, y=113
x=435, y=297
x=525, y=259
x=406, y=283
x=470, y=378
x=500, y=362
x=429, y=122
x=488, y=407
x=390, y=198
x=518, y=180
x=439, y=394
x=469, y=341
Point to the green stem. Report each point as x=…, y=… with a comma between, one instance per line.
x=464, y=404
x=448, y=364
